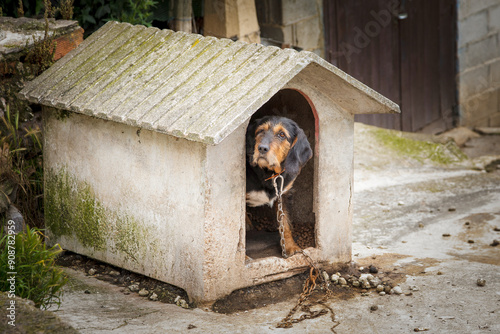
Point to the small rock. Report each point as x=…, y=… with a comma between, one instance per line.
x=325, y=276
x=387, y=289
x=380, y=288
x=452, y=209
x=355, y=283
x=373, y=308
x=342, y=281
x=421, y=225
x=361, y=269
x=372, y=269
x=374, y=282
x=92, y=271
x=335, y=279
x=153, y=297
x=446, y=235
x=420, y=329
x=439, y=273
x=143, y=293
x=467, y=223
x=191, y=326
x=133, y=287
x=414, y=288
x=114, y=273
x=496, y=229
x=126, y=292
x=87, y=292
x=181, y=302
x=494, y=243
x=481, y=282
x=470, y=241
x=397, y=290
x=401, y=203
x=382, y=293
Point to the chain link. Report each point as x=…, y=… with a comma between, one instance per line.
x=280, y=213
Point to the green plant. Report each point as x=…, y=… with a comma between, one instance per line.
x=92, y=14
x=21, y=163
x=66, y=9
x=37, y=277
x=41, y=54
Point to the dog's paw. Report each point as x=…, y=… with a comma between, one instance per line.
x=292, y=249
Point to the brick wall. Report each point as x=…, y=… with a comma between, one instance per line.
x=292, y=23
x=479, y=62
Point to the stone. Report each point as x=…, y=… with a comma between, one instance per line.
x=153, y=297
x=15, y=218
x=133, y=287
x=373, y=269
x=481, y=282
x=494, y=243
x=380, y=288
x=143, y=293
x=382, y=293
x=397, y=290
x=181, y=302
x=355, y=283
x=325, y=276
x=91, y=271
x=342, y=281
x=114, y=273
x=460, y=135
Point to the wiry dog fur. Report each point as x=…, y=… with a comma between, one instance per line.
x=274, y=145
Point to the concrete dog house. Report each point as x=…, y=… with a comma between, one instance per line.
x=144, y=153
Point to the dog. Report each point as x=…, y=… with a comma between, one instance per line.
x=274, y=146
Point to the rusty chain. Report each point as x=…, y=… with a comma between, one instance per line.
x=310, y=283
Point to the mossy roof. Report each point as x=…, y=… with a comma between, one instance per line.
x=186, y=85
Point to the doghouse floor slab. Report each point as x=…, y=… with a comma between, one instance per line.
x=260, y=244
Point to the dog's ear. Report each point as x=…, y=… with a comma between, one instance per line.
x=250, y=136
x=299, y=154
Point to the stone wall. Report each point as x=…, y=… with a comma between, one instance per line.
x=292, y=23
x=479, y=62
x=18, y=33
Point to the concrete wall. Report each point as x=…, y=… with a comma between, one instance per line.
x=479, y=62
x=292, y=23
x=135, y=199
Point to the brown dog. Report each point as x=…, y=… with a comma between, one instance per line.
x=275, y=146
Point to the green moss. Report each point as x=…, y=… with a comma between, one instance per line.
x=419, y=150
x=72, y=209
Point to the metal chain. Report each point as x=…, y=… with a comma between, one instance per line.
x=310, y=283
x=280, y=214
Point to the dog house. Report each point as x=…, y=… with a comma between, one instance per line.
x=144, y=153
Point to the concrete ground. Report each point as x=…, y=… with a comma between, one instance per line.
x=434, y=224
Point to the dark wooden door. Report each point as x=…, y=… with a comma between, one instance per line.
x=403, y=49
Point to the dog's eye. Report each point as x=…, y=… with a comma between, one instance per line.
x=281, y=135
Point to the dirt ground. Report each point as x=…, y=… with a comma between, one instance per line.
x=430, y=230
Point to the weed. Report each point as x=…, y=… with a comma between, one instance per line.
x=37, y=277
x=21, y=164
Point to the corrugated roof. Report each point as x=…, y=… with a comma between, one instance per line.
x=186, y=85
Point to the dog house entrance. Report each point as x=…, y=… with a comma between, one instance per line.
x=263, y=239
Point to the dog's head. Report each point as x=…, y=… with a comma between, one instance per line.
x=277, y=143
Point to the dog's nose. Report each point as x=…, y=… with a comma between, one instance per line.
x=263, y=148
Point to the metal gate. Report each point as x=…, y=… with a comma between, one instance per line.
x=406, y=50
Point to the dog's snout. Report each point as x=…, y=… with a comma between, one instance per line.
x=263, y=149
